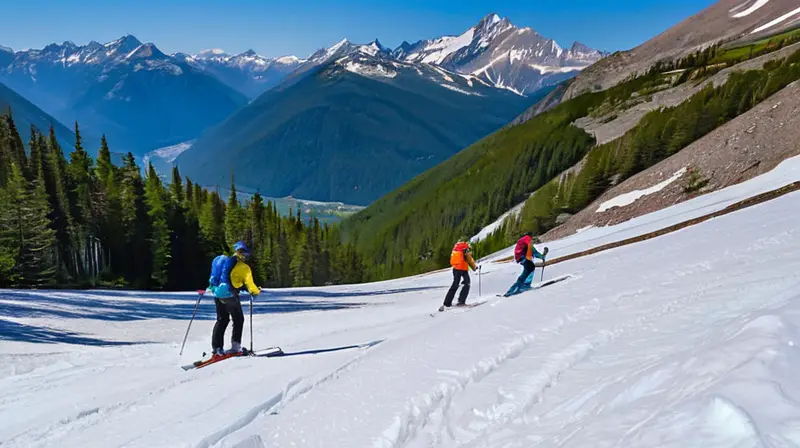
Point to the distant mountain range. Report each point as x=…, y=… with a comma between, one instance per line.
x=138, y=96
x=248, y=72
x=348, y=123
x=353, y=123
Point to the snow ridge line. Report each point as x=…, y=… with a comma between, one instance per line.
x=419, y=410
x=277, y=402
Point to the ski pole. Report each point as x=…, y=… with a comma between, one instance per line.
x=251, y=322
x=480, y=293
x=200, y=296
x=544, y=262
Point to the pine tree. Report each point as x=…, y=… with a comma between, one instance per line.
x=212, y=224
x=135, y=224
x=54, y=174
x=79, y=173
x=236, y=221
x=5, y=153
x=35, y=160
x=105, y=169
x=111, y=231
x=15, y=145
x=26, y=232
x=156, y=200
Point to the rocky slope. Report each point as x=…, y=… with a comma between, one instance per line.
x=748, y=146
x=726, y=20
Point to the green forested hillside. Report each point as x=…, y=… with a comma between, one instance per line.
x=82, y=222
x=412, y=229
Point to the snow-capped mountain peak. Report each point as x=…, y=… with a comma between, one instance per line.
x=6, y=49
x=372, y=48
x=289, y=60
x=210, y=53
x=501, y=54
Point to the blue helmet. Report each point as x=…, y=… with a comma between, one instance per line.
x=240, y=246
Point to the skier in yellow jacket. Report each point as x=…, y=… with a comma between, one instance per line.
x=228, y=276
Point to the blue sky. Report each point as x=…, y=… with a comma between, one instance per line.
x=275, y=28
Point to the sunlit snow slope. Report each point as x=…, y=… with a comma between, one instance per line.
x=686, y=340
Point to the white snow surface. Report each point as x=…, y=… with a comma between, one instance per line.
x=631, y=197
x=777, y=21
x=686, y=340
x=753, y=8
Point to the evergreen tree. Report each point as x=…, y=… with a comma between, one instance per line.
x=35, y=159
x=26, y=233
x=135, y=224
x=16, y=149
x=156, y=200
x=105, y=170
x=236, y=220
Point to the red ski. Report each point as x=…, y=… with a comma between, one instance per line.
x=217, y=358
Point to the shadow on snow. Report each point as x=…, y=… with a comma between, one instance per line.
x=123, y=306
x=13, y=331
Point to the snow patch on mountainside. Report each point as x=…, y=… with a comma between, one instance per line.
x=291, y=59
x=544, y=69
x=456, y=89
x=629, y=198
x=447, y=46
x=777, y=21
x=168, y=153
x=491, y=228
x=369, y=70
x=6, y=49
x=753, y=8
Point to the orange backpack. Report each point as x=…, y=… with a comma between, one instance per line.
x=457, y=258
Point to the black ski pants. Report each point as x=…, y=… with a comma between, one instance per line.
x=459, y=277
x=227, y=309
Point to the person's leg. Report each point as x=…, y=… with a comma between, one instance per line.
x=529, y=280
x=218, y=335
x=235, y=309
x=451, y=293
x=527, y=269
x=462, y=298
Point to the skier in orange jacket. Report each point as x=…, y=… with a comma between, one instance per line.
x=461, y=261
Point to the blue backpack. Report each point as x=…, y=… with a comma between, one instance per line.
x=220, y=280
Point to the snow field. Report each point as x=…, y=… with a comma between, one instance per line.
x=689, y=339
